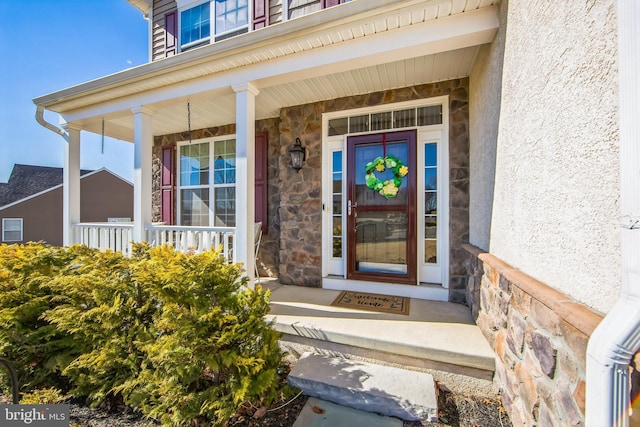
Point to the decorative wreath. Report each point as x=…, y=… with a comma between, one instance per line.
x=388, y=188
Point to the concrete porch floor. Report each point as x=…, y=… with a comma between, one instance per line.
x=436, y=337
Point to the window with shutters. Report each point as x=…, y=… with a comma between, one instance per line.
x=207, y=183
x=206, y=178
x=11, y=229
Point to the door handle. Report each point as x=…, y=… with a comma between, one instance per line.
x=351, y=205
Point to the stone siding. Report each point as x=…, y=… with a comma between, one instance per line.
x=540, y=338
x=269, y=247
x=292, y=248
x=301, y=192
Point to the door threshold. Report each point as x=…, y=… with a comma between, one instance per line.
x=423, y=291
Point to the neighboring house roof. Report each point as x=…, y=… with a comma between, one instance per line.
x=27, y=180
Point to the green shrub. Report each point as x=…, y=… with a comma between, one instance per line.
x=176, y=336
x=37, y=349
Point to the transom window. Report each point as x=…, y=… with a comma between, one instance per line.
x=207, y=183
x=409, y=117
x=11, y=229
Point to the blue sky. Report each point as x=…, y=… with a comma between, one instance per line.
x=50, y=45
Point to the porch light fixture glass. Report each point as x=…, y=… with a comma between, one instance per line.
x=298, y=155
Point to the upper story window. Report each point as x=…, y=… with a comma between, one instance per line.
x=195, y=25
x=231, y=15
x=222, y=18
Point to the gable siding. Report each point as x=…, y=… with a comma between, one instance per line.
x=102, y=196
x=158, y=32
x=161, y=8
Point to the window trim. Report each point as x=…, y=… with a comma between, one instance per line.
x=211, y=186
x=4, y=229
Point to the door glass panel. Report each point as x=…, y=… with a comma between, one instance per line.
x=367, y=153
x=337, y=204
x=381, y=242
x=430, y=251
x=430, y=203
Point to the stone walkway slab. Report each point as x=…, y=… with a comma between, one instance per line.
x=386, y=390
x=327, y=414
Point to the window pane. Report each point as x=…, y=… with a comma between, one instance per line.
x=430, y=179
x=224, y=165
x=359, y=124
x=430, y=154
x=225, y=208
x=431, y=115
x=404, y=118
x=194, y=164
x=337, y=161
x=231, y=14
x=430, y=202
x=194, y=206
x=338, y=126
x=337, y=204
x=337, y=247
x=430, y=226
x=430, y=251
x=381, y=121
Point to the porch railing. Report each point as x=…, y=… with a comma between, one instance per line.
x=193, y=239
x=118, y=237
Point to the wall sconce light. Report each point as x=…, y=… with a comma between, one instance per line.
x=298, y=155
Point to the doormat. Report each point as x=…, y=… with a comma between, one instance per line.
x=373, y=302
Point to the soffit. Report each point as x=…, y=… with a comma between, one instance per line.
x=357, y=21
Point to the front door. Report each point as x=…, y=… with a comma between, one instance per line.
x=381, y=207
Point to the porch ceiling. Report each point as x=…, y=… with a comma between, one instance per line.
x=357, y=48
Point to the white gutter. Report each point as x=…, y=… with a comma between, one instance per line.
x=40, y=119
x=617, y=338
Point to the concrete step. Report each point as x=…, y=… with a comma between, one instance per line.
x=436, y=337
x=385, y=390
x=320, y=413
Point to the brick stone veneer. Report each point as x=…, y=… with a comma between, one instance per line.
x=269, y=247
x=301, y=192
x=540, y=338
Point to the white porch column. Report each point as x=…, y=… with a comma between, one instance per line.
x=245, y=175
x=70, y=184
x=142, y=177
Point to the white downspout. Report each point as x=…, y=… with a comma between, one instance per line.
x=617, y=338
x=40, y=119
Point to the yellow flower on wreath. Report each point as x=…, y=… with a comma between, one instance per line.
x=389, y=189
x=403, y=171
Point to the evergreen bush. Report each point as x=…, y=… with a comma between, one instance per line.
x=177, y=336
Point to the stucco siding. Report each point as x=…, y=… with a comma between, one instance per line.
x=485, y=90
x=555, y=205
